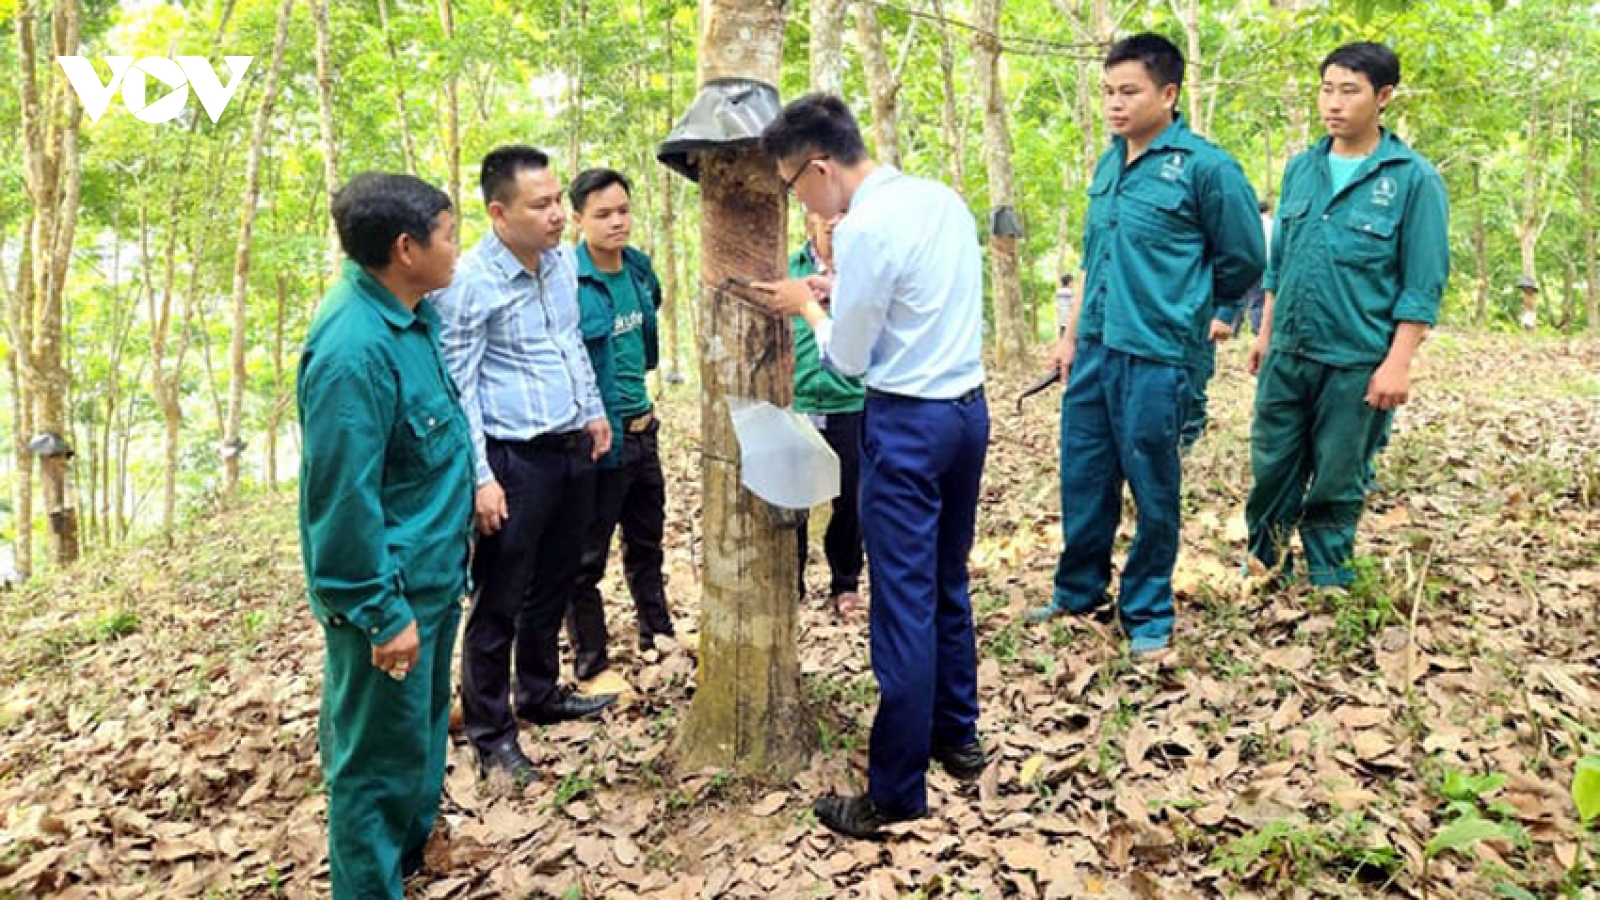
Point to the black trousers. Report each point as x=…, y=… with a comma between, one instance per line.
x=841, y=543
x=523, y=575
x=634, y=496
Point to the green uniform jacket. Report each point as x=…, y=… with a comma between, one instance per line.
x=598, y=319
x=818, y=390
x=386, y=472
x=1347, y=267
x=1169, y=239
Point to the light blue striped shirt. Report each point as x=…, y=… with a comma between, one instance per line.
x=511, y=340
x=907, y=290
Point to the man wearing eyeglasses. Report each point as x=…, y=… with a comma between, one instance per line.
x=907, y=316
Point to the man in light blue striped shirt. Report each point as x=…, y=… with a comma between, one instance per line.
x=510, y=337
x=907, y=300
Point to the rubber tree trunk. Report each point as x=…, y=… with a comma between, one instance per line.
x=50, y=121
x=882, y=87
x=955, y=143
x=1004, y=273
x=747, y=712
x=233, y=439
x=330, y=141
x=827, y=45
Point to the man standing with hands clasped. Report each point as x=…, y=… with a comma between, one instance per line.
x=385, y=527
x=907, y=316
x=1360, y=256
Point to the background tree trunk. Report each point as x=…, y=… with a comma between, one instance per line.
x=397, y=75
x=881, y=84
x=575, y=76
x=827, y=45
x=452, y=109
x=747, y=711
x=1005, y=279
x=330, y=143
x=233, y=439
x=50, y=120
x=1480, y=248
x=955, y=140
x=1586, y=203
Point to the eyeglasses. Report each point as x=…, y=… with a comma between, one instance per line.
x=789, y=183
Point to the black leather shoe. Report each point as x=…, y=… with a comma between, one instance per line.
x=505, y=757
x=964, y=763
x=856, y=817
x=566, y=706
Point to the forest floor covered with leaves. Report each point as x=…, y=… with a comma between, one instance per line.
x=1416, y=736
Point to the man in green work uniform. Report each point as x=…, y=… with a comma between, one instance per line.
x=385, y=527
x=1359, y=260
x=834, y=403
x=618, y=295
x=1172, y=234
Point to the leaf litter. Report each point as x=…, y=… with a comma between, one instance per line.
x=159, y=707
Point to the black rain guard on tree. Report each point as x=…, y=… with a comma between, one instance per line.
x=727, y=112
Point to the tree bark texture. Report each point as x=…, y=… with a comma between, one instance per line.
x=50, y=120
x=882, y=87
x=748, y=713
x=330, y=142
x=233, y=434
x=747, y=710
x=1004, y=274
x=827, y=45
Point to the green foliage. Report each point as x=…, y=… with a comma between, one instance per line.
x=1474, y=817
x=1292, y=852
x=1586, y=787
x=604, y=85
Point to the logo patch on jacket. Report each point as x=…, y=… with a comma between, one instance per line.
x=1383, y=192
x=1172, y=169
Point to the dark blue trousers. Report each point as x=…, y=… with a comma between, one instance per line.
x=921, y=464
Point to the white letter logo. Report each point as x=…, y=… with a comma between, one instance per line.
x=187, y=72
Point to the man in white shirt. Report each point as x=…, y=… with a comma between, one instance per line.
x=907, y=316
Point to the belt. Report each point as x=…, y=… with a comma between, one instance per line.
x=565, y=440
x=971, y=396
x=641, y=424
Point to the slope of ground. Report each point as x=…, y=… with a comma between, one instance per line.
x=1415, y=737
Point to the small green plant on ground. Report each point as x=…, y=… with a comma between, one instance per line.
x=1474, y=817
x=1286, y=852
x=1361, y=610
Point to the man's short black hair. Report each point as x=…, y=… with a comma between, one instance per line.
x=1161, y=57
x=815, y=124
x=498, y=177
x=373, y=209
x=1374, y=60
x=590, y=181
x=1066, y=279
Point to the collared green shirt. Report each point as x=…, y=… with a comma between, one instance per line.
x=1347, y=266
x=818, y=390
x=386, y=471
x=1171, y=238
x=599, y=315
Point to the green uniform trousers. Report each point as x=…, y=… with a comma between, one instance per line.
x=1310, y=440
x=383, y=752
